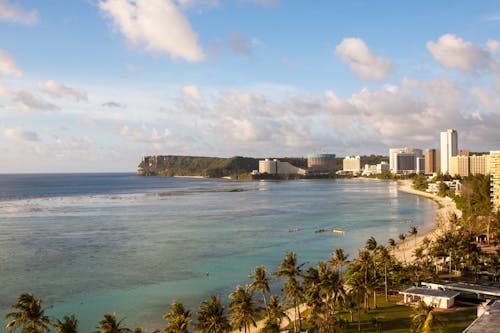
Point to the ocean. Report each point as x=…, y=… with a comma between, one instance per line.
x=91, y=244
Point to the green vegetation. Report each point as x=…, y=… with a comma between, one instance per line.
x=474, y=202
x=475, y=198
x=235, y=167
x=420, y=183
x=373, y=159
x=216, y=167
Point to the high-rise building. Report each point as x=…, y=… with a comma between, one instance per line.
x=459, y=166
x=449, y=148
x=352, y=164
x=479, y=164
x=406, y=163
x=495, y=179
x=432, y=161
x=404, y=160
x=392, y=158
x=420, y=164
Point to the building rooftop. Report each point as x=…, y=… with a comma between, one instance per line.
x=430, y=292
x=488, y=322
x=321, y=156
x=471, y=288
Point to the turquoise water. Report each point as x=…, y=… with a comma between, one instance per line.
x=94, y=244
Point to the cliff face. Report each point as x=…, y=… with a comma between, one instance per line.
x=170, y=166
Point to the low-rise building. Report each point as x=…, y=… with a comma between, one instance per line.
x=321, y=163
x=352, y=164
x=275, y=167
x=440, y=299
x=488, y=318
x=375, y=169
x=454, y=185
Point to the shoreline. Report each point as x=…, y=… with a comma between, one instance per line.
x=405, y=251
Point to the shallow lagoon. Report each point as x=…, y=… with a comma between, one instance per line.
x=96, y=243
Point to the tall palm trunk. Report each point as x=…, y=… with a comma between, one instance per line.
x=295, y=319
x=265, y=302
x=374, y=280
x=385, y=282
x=359, y=318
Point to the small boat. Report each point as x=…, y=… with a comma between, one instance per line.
x=337, y=231
x=293, y=229
x=319, y=231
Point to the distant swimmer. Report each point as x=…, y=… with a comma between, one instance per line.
x=208, y=274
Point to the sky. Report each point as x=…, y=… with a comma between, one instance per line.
x=94, y=85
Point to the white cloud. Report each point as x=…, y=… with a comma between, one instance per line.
x=362, y=61
x=14, y=13
x=27, y=102
x=192, y=92
x=58, y=90
x=8, y=65
x=158, y=25
x=18, y=134
x=493, y=45
x=453, y=52
x=489, y=99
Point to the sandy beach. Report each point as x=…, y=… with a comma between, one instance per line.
x=404, y=250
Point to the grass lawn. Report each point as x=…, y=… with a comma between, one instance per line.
x=396, y=318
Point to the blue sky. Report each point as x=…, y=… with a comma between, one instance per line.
x=92, y=85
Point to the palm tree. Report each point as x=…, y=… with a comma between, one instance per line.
x=385, y=258
x=338, y=258
x=110, y=325
x=243, y=309
x=360, y=273
x=423, y=320
x=30, y=316
x=211, y=317
x=178, y=318
x=260, y=282
x=312, y=292
x=413, y=232
x=68, y=325
x=392, y=243
x=371, y=245
x=275, y=316
x=292, y=288
x=402, y=238
x=358, y=292
x=350, y=303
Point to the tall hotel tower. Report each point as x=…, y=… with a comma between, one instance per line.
x=449, y=148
